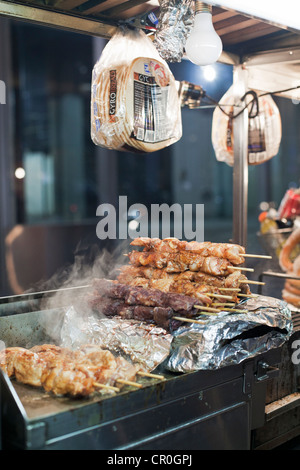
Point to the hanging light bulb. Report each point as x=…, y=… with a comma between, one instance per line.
x=203, y=46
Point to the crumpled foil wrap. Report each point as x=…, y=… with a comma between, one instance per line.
x=145, y=344
x=229, y=339
x=175, y=22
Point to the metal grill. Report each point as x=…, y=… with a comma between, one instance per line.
x=169, y=414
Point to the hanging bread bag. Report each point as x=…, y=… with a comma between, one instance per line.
x=264, y=130
x=134, y=98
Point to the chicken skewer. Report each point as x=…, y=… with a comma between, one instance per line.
x=234, y=253
x=187, y=283
x=167, y=263
x=30, y=368
x=175, y=262
x=66, y=372
x=183, y=261
x=129, y=273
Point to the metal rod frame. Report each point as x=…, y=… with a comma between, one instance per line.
x=66, y=21
x=240, y=168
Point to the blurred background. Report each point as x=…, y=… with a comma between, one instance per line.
x=53, y=178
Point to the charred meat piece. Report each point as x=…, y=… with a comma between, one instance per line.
x=148, y=297
x=188, y=288
x=161, y=316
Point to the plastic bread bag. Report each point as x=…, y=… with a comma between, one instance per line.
x=134, y=98
x=264, y=130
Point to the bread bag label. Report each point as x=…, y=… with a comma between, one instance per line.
x=151, y=84
x=112, y=94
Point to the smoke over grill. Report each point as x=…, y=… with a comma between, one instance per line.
x=71, y=321
x=70, y=286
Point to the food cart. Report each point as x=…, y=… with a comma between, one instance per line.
x=175, y=411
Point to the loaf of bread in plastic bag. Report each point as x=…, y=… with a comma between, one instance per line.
x=134, y=99
x=264, y=130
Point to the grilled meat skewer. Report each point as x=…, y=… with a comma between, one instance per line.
x=66, y=372
x=176, y=262
x=128, y=273
x=55, y=372
x=182, y=287
x=161, y=316
x=232, y=252
x=132, y=295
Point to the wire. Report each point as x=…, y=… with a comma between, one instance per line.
x=254, y=103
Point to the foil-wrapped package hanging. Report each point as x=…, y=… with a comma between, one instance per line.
x=175, y=23
x=147, y=345
x=229, y=339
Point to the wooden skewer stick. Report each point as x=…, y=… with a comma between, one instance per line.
x=249, y=295
x=208, y=309
x=220, y=296
x=189, y=320
x=129, y=382
x=148, y=374
x=235, y=289
x=235, y=310
x=220, y=304
x=108, y=387
x=210, y=313
x=252, y=282
x=257, y=256
x=251, y=270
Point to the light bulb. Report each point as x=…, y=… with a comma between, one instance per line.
x=203, y=46
x=20, y=173
x=209, y=73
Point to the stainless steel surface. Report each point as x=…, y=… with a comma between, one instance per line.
x=168, y=415
x=171, y=414
x=282, y=409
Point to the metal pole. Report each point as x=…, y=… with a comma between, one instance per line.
x=7, y=163
x=240, y=169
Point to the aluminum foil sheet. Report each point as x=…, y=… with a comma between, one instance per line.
x=145, y=344
x=229, y=339
x=176, y=20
